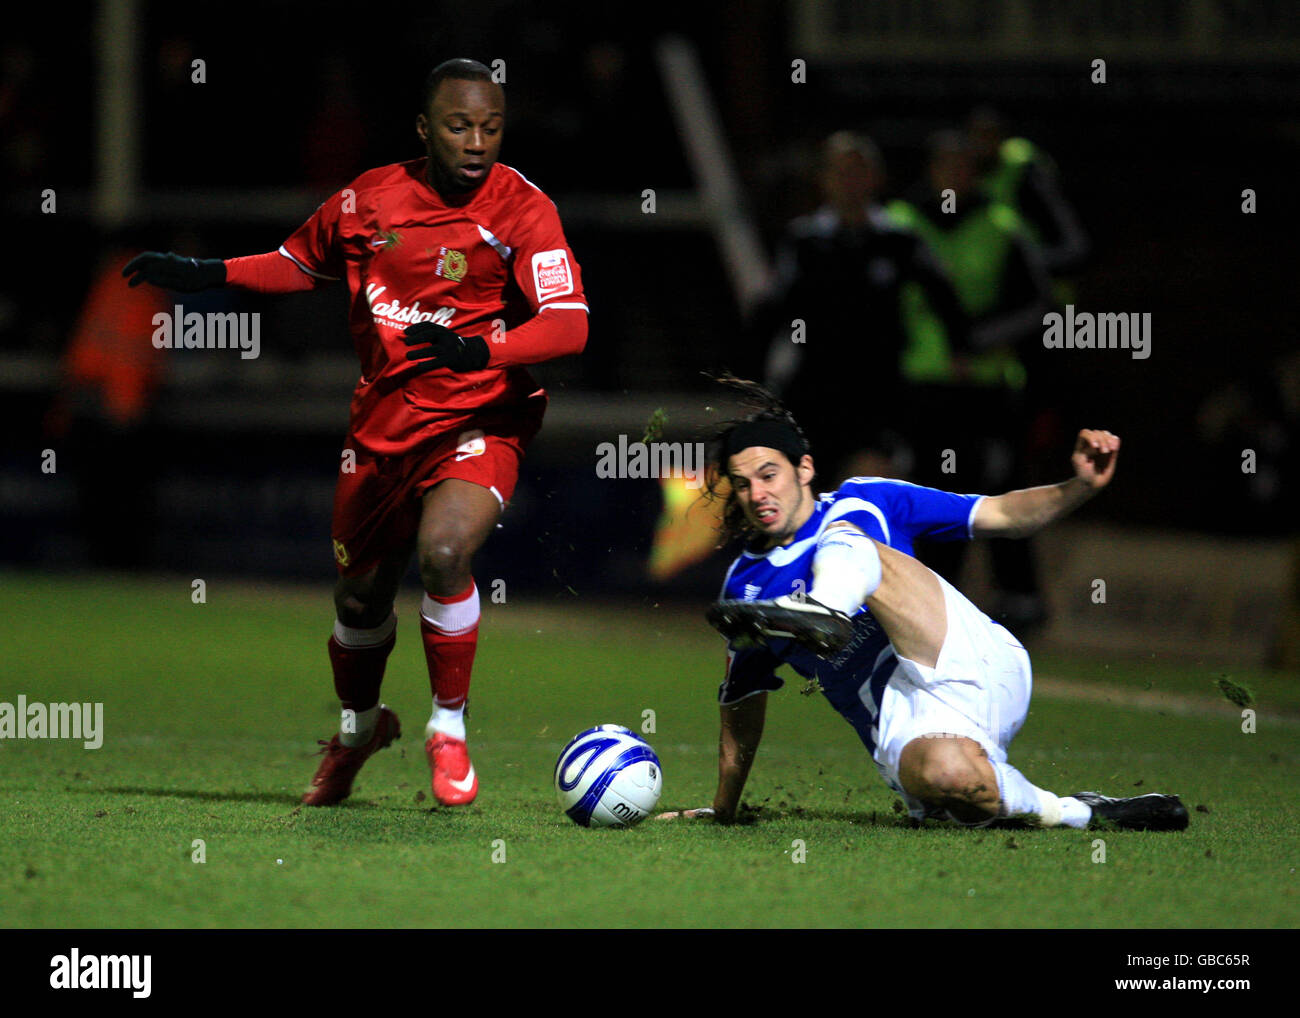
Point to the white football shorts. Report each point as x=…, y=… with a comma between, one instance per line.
x=979, y=688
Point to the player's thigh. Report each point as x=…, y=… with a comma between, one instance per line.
x=983, y=676
x=455, y=519
x=365, y=600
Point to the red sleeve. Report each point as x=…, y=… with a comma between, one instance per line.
x=314, y=245
x=550, y=279
x=545, y=268
x=307, y=259
x=272, y=272
x=552, y=333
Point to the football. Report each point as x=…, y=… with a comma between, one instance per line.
x=608, y=776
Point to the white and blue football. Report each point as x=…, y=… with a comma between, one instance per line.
x=608, y=776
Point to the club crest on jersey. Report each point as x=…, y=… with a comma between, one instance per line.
x=552, y=276
x=451, y=264
x=341, y=553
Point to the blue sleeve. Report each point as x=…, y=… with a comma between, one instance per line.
x=750, y=670
x=910, y=511
x=855, y=505
x=939, y=515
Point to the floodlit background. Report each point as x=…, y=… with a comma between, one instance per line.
x=219, y=465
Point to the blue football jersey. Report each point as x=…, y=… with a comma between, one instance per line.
x=895, y=513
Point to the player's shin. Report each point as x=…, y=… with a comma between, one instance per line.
x=449, y=629
x=846, y=570
x=358, y=657
x=1037, y=806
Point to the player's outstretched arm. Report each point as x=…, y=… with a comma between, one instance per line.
x=271, y=272
x=741, y=731
x=1021, y=513
x=175, y=272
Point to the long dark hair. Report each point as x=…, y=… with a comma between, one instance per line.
x=759, y=405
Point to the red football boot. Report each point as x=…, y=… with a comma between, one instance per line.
x=334, y=776
x=454, y=780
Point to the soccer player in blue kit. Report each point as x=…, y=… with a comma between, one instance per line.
x=933, y=687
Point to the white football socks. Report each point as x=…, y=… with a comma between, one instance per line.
x=449, y=721
x=846, y=570
x=1020, y=798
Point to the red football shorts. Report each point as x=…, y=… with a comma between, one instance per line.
x=377, y=506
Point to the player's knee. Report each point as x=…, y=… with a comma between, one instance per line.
x=444, y=564
x=359, y=608
x=942, y=770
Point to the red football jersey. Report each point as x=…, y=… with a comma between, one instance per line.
x=478, y=267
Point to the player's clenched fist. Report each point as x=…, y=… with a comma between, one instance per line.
x=435, y=346
x=175, y=272
x=1095, y=453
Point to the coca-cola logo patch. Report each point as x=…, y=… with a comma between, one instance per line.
x=552, y=276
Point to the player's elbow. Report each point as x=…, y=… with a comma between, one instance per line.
x=994, y=518
x=578, y=332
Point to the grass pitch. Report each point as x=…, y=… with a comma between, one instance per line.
x=212, y=712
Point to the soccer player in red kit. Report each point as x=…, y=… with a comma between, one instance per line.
x=459, y=275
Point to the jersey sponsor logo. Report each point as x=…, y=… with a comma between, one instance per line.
x=552, y=276
x=451, y=264
x=470, y=443
x=394, y=315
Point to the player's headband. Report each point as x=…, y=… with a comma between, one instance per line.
x=767, y=433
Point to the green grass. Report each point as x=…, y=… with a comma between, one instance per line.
x=212, y=713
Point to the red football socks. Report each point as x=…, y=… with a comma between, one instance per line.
x=449, y=628
x=358, y=657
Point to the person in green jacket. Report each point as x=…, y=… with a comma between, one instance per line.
x=967, y=409
x=1016, y=173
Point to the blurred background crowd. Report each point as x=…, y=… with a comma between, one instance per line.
x=899, y=328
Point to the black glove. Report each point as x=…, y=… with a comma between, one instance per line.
x=436, y=346
x=176, y=272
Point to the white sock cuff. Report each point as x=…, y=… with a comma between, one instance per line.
x=448, y=720
x=1022, y=798
x=846, y=569
x=452, y=619
x=1051, y=809
x=349, y=637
